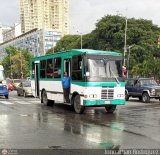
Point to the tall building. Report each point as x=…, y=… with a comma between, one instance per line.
x=45, y=14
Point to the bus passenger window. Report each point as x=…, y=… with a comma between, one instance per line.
x=57, y=68
x=49, y=68
x=43, y=69
x=77, y=68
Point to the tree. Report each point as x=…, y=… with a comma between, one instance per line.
x=12, y=62
x=109, y=35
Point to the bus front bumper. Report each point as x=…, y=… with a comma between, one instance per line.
x=103, y=102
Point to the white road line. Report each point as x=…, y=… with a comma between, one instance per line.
x=36, y=102
x=22, y=102
x=6, y=102
x=14, y=98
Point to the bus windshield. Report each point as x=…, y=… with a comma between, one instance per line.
x=104, y=69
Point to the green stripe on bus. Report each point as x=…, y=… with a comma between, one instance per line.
x=98, y=84
x=102, y=102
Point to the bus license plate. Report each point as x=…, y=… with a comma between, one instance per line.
x=107, y=102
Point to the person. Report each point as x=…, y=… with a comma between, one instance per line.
x=124, y=71
x=66, y=82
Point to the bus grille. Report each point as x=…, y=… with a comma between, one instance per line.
x=107, y=93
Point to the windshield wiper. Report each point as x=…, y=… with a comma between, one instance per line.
x=114, y=76
x=111, y=71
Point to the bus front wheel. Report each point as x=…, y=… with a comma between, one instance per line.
x=110, y=108
x=77, y=105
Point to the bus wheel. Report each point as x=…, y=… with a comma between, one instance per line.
x=45, y=100
x=110, y=108
x=77, y=105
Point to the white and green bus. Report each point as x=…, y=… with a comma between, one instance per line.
x=96, y=78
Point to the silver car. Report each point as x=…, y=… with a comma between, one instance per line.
x=24, y=88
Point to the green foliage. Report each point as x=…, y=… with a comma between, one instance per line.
x=109, y=35
x=13, y=62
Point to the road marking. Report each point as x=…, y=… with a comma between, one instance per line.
x=6, y=102
x=23, y=102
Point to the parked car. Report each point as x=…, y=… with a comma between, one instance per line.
x=3, y=90
x=15, y=83
x=10, y=86
x=142, y=88
x=24, y=88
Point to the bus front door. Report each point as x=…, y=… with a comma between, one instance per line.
x=36, y=80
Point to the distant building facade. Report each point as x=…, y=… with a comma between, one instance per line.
x=44, y=14
x=37, y=41
x=2, y=30
x=12, y=33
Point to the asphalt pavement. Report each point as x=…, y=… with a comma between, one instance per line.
x=26, y=124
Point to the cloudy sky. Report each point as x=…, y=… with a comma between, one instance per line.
x=85, y=13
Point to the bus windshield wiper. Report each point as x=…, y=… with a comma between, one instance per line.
x=114, y=75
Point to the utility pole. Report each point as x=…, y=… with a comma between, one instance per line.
x=11, y=65
x=21, y=65
x=81, y=40
x=129, y=51
x=125, y=43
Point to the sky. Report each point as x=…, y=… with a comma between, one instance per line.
x=84, y=14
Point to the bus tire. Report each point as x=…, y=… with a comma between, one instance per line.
x=79, y=109
x=45, y=100
x=110, y=108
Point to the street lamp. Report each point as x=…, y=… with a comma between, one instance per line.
x=129, y=51
x=81, y=38
x=21, y=65
x=11, y=65
x=125, y=43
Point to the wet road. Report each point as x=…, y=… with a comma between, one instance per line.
x=24, y=123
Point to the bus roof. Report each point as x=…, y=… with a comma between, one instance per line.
x=81, y=51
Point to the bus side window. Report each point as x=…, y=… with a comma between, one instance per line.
x=77, y=67
x=49, y=68
x=43, y=69
x=57, y=68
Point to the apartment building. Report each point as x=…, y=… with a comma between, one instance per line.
x=12, y=33
x=45, y=14
x=36, y=41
